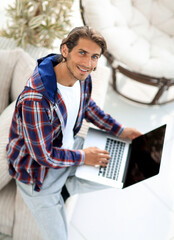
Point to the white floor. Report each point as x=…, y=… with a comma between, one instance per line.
x=144, y=211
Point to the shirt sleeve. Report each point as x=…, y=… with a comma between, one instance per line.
x=102, y=120
x=38, y=137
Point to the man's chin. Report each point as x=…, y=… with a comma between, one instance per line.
x=83, y=77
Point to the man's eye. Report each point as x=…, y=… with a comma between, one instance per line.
x=82, y=53
x=95, y=57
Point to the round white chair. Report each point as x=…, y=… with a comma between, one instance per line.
x=140, y=39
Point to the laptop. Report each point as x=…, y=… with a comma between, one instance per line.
x=130, y=162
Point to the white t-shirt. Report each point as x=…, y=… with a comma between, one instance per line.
x=71, y=98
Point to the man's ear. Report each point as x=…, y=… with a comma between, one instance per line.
x=65, y=50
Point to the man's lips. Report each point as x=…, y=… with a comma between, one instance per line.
x=83, y=69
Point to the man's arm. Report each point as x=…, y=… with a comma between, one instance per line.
x=102, y=120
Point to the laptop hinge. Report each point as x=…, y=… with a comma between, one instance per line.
x=127, y=165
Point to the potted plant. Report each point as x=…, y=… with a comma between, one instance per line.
x=38, y=22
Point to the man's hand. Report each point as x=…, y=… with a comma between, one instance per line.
x=95, y=156
x=130, y=133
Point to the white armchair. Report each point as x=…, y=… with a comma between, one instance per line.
x=140, y=39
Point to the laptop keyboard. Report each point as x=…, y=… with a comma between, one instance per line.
x=115, y=149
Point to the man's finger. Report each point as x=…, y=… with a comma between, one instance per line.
x=103, y=151
x=102, y=164
x=105, y=155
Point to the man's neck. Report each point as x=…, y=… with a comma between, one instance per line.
x=62, y=75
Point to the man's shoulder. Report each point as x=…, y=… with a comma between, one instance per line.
x=29, y=94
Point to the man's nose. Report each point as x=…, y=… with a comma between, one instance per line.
x=87, y=62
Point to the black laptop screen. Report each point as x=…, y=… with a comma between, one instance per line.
x=145, y=156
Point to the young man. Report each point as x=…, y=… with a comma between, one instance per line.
x=47, y=117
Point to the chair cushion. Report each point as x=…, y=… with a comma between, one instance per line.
x=5, y=120
x=141, y=36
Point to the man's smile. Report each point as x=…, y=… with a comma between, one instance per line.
x=84, y=70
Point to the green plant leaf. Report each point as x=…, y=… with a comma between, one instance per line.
x=36, y=21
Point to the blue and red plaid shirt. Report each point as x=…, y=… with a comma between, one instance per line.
x=35, y=138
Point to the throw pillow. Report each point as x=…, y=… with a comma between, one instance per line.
x=23, y=69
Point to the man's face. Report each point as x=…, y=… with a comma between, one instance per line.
x=83, y=58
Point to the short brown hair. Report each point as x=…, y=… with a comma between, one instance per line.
x=85, y=32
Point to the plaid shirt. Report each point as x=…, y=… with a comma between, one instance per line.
x=35, y=138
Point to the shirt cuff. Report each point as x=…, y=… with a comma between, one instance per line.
x=82, y=154
x=120, y=131
x=117, y=129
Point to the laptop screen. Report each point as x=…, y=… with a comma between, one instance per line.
x=145, y=156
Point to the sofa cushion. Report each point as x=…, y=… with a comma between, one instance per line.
x=24, y=227
x=7, y=207
x=5, y=120
x=7, y=62
x=23, y=69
